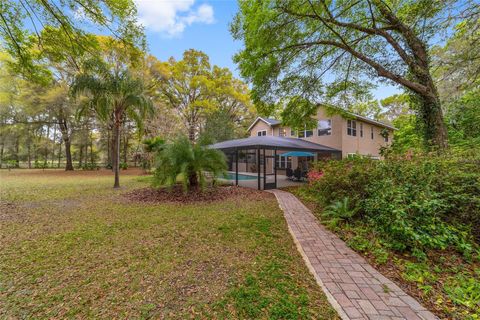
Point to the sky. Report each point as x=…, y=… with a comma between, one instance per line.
x=173, y=26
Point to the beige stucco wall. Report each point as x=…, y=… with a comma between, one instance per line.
x=364, y=145
x=339, y=138
x=260, y=126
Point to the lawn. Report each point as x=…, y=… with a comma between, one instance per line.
x=72, y=247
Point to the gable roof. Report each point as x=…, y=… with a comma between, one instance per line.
x=273, y=122
x=375, y=122
x=269, y=121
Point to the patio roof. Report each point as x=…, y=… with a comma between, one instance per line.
x=273, y=143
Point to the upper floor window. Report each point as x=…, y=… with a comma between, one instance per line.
x=371, y=132
x=386, y=137
x=384, y=134
x=324, y=127
x=282, y=132
x=262, y=133
x=305, y=133
x=352, y=128
x=361, y=130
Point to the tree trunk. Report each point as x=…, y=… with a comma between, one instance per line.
x=109, y=149
x=17, y=150
x=92, y=157
x=67, y=142
x=29, y=154
x=68, y=156
x=54, y=140
x=193, y=180
x=60, y=154
x=66, y=139
x=191, y=133
x=45, y=159
x=116, y=151
x=80, y=157
x=1, y=154
x=125, y=148
x=431, y=115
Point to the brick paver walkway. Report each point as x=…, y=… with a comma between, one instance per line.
x=354, y=288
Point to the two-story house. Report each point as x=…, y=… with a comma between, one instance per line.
x=352, y=134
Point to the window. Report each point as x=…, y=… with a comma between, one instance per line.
x=371, y=132
x=282, y=132
x=352, y=128
x=385, y=137
x=284, y=162
x=262, y=133
x=293, y=133
x=361, y=130
x=305, y=133
x=324, y=127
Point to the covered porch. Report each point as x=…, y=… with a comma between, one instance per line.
x=264, y=162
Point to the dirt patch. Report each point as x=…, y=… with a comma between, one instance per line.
x=178, y=195
x=9, y=212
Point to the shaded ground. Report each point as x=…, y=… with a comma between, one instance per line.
x=72, y=247
x=178, y=194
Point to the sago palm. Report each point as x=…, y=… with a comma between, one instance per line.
x=114, y=95
x=191, y=161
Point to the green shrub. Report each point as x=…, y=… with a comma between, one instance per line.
x=123, y=165
x=90, y=166
x=415, y=204
x=465, y=290
x=188, y=160
x=40, y=165
x=12, y=164
x=339, y=211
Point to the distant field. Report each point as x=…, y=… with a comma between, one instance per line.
x=72, y=247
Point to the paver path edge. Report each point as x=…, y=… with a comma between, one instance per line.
x=354, y=288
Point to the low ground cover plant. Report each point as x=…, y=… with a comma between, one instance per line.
x=409, y=214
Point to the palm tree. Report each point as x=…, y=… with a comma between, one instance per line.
x=191, y=161
x=114, y=96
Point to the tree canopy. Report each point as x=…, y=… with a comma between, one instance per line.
x=293, y=46
x=195, y=89
x=25, y=27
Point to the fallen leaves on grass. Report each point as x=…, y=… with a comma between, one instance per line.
x=178, y=195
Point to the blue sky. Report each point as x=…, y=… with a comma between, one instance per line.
x=173, y=26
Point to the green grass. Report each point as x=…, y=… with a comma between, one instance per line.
x=72, y=247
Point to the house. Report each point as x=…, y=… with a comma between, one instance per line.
x=273, y=149
x=352, y=134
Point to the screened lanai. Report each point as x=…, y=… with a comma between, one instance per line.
x=262, y=162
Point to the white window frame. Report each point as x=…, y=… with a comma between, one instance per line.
x=352, y=128
x=304, y=133
x=282, y=132
x=284, y=162
x=325, y=131
x=261, y=131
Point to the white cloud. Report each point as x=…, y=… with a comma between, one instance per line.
x=171, y=17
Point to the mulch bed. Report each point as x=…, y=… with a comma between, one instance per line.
x=178, y=195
